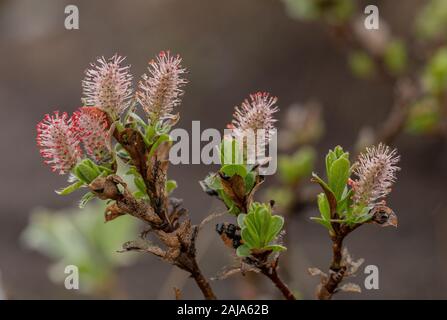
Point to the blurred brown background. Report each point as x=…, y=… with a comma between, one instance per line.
x=231, y=48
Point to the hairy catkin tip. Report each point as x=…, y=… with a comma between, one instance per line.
x=376, y=173
x=256, y=113
x=93, y=130
x=160, y=90
x=108, y=85
x=58, y=142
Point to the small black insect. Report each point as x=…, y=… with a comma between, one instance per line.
x=230, y=234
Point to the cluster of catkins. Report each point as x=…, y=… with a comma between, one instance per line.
x=107, y=93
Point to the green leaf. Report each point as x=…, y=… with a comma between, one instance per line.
x=71, y=188
x=137, y=178
x=232, y=208
x=86, y=171
x=324, y=223
x=121, y=152
x=119, y=126
x=250, y=236
x=213, y=181
x=243, y=251
x=259, y=227
x=276, y=247
x=140, y=195
x=171, y=185
x=334, y=155
x=327, y=191
x=330, y=158
x=240, y=220
x=323, y=185
x=339, y=152
x=92, y=165
x=276, y=224
x=85, y=199
x=232, y=169
x=345, y=202
x=162, y=138
x=323, y=206
x=262, y=218
x=250, y=180
x=137, y=118
x=250, y=233
x=338, y=176
x=139, y=183
x=105, y=170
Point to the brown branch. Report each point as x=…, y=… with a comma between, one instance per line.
x=329, y=284
x=203, y=283
x=271, y=272
x=235, y=188
x=153, y=171
x=179, y=238
x=340, y=264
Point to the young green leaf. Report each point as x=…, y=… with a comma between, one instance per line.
x=160, y=140
x=250, y=180
x=171, y=185
x=260, y=228
x=327, y=191
x=243, y=251
x=323, y=222
x=232, y=207
x=240, y=220
x=71, y=188
x=338, y=175
x=86, y=172
x=323, y=206
x=276, y=247
x=85, y=199
x=232, y=169
x=275, y=226
x=250, y=236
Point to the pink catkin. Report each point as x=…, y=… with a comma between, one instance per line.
x=108, y=86
x=376, y=173
x=256, y=113
x=160, y=91
x=93, y=130
x=58, y=142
